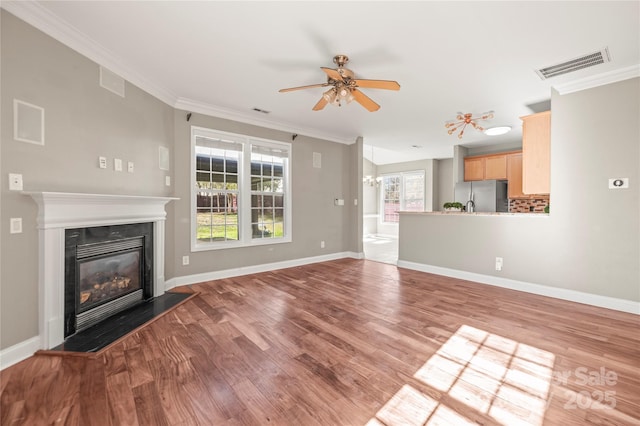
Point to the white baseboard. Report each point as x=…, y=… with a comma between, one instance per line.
x=622, y=305
x=18, y=352
x=254, y=269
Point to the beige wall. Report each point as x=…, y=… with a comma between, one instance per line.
x=589, y=242
x=82, y=122
x=85, y=121
x=315, y=217
x=370, y=199
x=445, y=183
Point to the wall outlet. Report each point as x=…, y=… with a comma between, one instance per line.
x=338, y=202
x=117, y=164
x=15, y=182
x=499, y=263
x=167, y=180
x=185, y=260
x=102, y=162
x=618, y=183
x=321, y=244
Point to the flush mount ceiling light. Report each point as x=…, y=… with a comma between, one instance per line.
x=462, y=120
x=498, y=130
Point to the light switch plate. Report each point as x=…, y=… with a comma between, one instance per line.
x=102, y=162
x=167, y=180
x=317, y=160
x=130, y=166
x=16, y=225
x=117, y=164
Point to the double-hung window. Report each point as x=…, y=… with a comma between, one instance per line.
x=402, y=191
x=240, y=190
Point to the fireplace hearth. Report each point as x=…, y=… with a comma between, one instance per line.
x=107, y=270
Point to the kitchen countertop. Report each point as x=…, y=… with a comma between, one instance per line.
x=476, y=214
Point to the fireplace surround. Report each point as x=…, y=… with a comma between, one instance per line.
x=59, y=212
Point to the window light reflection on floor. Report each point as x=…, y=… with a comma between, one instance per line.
x=492, y=375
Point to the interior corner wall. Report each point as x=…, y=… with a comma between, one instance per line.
x=356, y=200
x=369, y=199
x=82, y=122
x=313, y=190
x=445, y=183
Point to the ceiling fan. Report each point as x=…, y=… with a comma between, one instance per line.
x=345, y=88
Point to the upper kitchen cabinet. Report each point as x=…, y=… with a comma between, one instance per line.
x=536, y=147
x=473, y=168
x=485, y=167
x=514, y=173
x=495, y=167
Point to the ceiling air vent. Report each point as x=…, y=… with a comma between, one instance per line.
x=586, y=61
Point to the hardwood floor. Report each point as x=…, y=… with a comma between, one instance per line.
x=346, y=342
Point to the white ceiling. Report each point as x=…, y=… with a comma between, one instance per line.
x=226, y=58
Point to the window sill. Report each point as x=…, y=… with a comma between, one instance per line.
x=224, y=245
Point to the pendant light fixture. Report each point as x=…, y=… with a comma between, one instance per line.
x=463, y=120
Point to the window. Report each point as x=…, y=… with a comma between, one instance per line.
x=240, y=191
x=391, y=199
x=403, y=191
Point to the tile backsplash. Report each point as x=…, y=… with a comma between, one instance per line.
x=533, y=205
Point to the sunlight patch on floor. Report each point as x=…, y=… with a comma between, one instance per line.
x=492, y=375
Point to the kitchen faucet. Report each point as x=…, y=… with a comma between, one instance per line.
x=470, y=209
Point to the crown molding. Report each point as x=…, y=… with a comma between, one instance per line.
x=598, y=80
x=43, y=19
x=191, y=105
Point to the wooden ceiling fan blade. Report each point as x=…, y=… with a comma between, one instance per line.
x=378, y=84
x=321, y=104
x=332, y=73
x=364, y=100
x=291, y=89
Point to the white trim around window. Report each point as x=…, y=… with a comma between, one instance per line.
x=256, y=201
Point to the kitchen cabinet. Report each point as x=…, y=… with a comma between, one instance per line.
x=514, y=176
x=495, y=167
x=473, y=168
x=536, y=148
x=485, y=167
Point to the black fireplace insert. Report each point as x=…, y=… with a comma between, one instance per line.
x=107, y=269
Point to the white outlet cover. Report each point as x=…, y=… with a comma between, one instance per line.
x=15, y=182
x=167, y=180
x=618, y=183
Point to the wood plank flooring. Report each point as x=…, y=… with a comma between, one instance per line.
x=346, y=342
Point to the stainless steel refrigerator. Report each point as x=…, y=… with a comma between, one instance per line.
x=487, y=195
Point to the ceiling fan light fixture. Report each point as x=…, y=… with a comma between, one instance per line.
x=497, y=131
x=330, y=95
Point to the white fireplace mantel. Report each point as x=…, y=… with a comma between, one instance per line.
x=58, y=211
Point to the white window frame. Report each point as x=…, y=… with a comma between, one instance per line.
x=245, y=236
x=402, y=176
